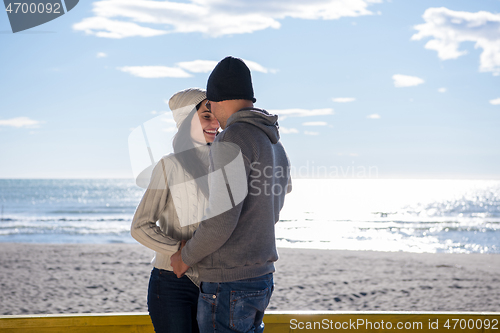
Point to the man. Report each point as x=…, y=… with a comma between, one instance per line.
x=235, y=248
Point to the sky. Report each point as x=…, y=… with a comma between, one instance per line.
x=362, y=88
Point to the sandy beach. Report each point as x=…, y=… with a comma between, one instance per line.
x=83, y=278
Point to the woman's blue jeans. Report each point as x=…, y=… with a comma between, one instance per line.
x=172, y=302
x=236, y=306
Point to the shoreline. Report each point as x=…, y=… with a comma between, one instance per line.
x=103, y=278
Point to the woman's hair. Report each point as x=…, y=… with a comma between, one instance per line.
x=186, y=152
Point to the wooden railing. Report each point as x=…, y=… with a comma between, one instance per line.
x=276, y=322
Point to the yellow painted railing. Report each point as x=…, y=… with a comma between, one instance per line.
x=276, y=322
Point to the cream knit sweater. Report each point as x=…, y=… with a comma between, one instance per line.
x=178, y=210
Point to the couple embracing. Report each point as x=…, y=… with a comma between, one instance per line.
x=214, y=240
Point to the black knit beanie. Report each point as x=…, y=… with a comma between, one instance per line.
x=230, y=79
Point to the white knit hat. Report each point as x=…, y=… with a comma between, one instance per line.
x=183, y=102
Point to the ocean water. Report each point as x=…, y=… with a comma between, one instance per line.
x=67, y=211
x=460, y=216
x=455, y=216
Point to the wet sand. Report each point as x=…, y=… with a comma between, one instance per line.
x=98, y=278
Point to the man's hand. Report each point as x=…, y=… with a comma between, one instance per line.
x=177, y=264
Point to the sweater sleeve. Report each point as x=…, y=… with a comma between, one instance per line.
x=227, y=192
x=144, y=228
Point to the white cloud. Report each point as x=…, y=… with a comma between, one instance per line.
x=195, y=66
x=104, y=27
x=125, y=18
x=101, y=55
x=373, y=116
x=198, y=66
x=495, y=101
x=150, y=72
x=205, y=66
x=449, y=28
x=406, y=80
x=288, y=130
x=343, y=99
x=302, y=112
x=315, y=123
x=21, y=122
x=311, y=133
x=442, y=90
x=253, y=66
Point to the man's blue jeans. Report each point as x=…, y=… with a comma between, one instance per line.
x=236, y=306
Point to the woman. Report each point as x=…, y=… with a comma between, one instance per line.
x=176, y=197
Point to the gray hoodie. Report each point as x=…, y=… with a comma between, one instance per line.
x=240, y=242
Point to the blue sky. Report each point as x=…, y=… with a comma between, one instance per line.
x=364, y=89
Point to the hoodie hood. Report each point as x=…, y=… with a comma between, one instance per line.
x=260, y=118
